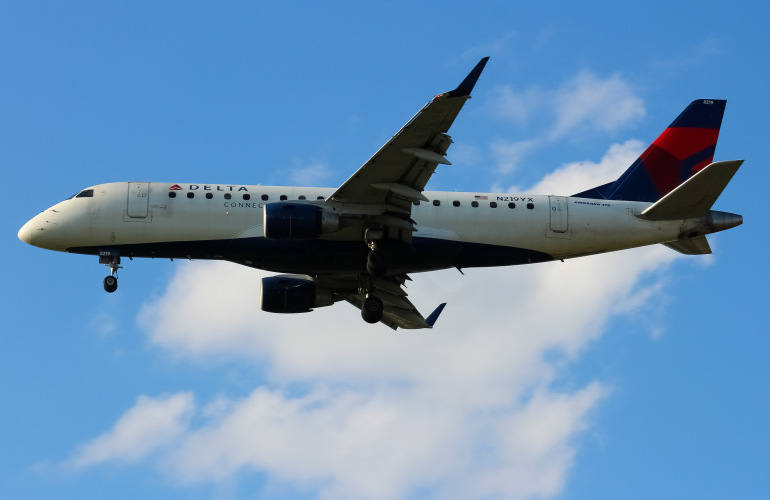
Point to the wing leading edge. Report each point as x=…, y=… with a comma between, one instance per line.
x=396, y=175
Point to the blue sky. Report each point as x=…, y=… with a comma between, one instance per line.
x=641, y=374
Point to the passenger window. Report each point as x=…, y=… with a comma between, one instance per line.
x=302, y=197
x=493, y=204
x=228, y=196
x=511, y=205
x=320, y=198
x=530, y=206
x=247, y=196
x=265, y=197
x=190, y=194
x=171, y=194
x=86, y=193
x=209, y=196
x=284, y=197
x=416, y=202
x=456, y=203
x=474, y=204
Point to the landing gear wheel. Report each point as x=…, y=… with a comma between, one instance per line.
x=110, y=284
x=377, y=263
x=372, y=310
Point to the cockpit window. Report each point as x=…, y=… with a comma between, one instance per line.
x=86, y=193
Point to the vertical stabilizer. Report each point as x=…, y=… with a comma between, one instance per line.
x=681, y=151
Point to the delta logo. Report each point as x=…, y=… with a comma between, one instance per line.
x=175, y=187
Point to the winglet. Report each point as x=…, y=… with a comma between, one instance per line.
x=431, y=320
x=464, y=89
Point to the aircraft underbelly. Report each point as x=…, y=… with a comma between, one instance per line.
x=327, y=256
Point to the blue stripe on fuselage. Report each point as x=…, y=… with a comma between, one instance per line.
x=327, y=256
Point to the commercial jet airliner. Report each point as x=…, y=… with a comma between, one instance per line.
x=360, y=242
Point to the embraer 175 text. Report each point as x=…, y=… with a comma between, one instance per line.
x=358, y=242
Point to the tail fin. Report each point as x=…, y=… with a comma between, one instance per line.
x=681, y=151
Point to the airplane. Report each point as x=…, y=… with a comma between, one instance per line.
x=360, y=241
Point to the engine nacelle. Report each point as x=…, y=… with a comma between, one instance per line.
x=297, y=221
x=292, y=293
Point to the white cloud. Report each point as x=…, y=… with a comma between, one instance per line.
x=465, y=155
x=584, y=105
x=603, y=104
x=314, y=174
x=142, y=430
x=470, y=409
x=508, y=154
x=517, y=106
x=579, y=176
x=355, y=445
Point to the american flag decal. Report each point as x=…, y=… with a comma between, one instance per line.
x=477, y=197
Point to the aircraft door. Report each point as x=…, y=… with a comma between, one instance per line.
x=559, y=214
x=138, y=199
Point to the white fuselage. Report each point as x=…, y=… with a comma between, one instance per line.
x=226, y=222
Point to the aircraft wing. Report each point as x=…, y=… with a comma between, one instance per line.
x=381, y=192
x=385, y=187
x=399, y=311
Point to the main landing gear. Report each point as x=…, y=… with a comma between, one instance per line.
x=372, y=309
x=111, y=281
x=377, y=263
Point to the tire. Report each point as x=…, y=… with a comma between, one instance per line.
x=372, y=310
x=110, y=284
x=377, y=263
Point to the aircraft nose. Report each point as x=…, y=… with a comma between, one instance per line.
x=27, y=232
x=43, y=231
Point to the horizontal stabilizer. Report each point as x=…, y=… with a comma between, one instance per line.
x=695, y=196
x=697, y=245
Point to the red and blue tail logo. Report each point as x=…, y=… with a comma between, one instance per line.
x=683, y=149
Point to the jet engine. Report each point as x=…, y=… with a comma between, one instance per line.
x=298, y=221
x=292, y=293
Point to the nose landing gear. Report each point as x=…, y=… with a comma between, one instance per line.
x=112, y=261
x=110, y=283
